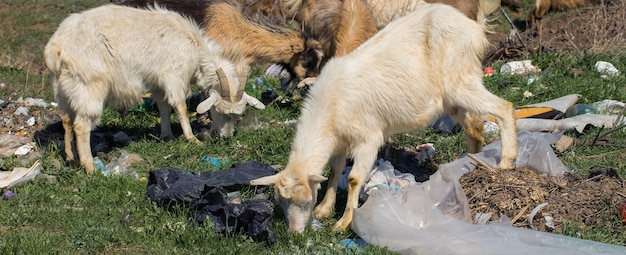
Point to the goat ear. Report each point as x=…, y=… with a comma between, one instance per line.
x=316, y=178
x=252, y=101
x=205, y=105
x=265, y=181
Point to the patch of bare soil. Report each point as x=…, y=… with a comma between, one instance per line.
x=515, y=193
x=594, y=29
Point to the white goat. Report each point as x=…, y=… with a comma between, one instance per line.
x=417, y=68
x=111, y=55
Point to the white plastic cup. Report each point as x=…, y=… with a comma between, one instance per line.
x=519, y=67
x=606, y=67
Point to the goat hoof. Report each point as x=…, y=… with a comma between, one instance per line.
x=506, y=166
x=321, y=213
x=341, y=225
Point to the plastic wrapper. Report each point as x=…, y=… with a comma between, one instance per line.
x=433, y=217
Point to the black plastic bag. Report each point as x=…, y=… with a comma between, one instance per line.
x=173, y=186
x=205, y=193
x=252, y=217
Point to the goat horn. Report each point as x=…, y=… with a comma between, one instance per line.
x=223, y=83
x=242, y=86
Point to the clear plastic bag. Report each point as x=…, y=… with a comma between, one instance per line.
x=433, y=217
x=121, y=166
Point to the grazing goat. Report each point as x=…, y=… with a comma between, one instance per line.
x=543, y=6
x=356, y=26
x=111, y=55
x=250, y=38
x=249, y=32
x=339, y=26
x=391, y=84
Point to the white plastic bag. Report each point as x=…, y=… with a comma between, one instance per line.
x=433, y=217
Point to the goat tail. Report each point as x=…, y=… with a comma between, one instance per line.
x=52, y=57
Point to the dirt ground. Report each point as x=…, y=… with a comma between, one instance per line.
x=585, y=201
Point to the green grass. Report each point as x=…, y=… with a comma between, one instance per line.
x=81, y=214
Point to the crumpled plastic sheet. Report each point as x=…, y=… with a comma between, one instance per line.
x=10, y=144
x=252, y=217
x=433, y=217
x=205, y=193
x=173, y=186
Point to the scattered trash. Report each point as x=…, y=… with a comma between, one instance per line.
x=260, y=82
x=579, y=109
x=446, y=124
x=122, y=165
x=30, y=121
x=8, y=194
x=19, y=175
x=560, y=104
x=409, y=163
x=578, y=122
x=488, y=71
x=528, y=94
x=269, y=96
x=251, y=217
x=356, y=244
x=277, y=70
x=206, y=194
x=608, y=106
x=22, y=110
x=215, y=161
x=33, y=102
x=24, y=149
x=490, y=127
x=606, y=67
x=146, y=104
x=549, y=221
x=481, y=218
x=425, y=152
x=234, y=197
x=546, y=116
x=381, y=175
x=607, y=172
x=173, y=186
x=316, y=224
x=534, y=212
x=519, y=67
x=121, y=138
x=433, y=217
x=99, y=165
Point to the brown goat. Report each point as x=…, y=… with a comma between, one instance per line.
x=195, y=8
x=340, y=26
x=250, y=38
x=543, y=6
x=357, y=25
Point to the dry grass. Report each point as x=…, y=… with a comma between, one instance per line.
x=608, y=27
